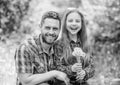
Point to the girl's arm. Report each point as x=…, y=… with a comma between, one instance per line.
x=89, y=67
x=62, y=66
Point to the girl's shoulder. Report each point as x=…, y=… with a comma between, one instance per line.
x=59, y=43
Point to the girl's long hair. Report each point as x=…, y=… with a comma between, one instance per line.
x=82, y=35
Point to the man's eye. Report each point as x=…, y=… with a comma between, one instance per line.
x=47, y=28
x=55, y=28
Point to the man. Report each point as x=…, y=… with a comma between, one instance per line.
x=36, y=60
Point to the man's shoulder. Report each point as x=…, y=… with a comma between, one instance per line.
x=59, y=48
x=62, y=42
x=28, y=46
x=59, y=43
x=30, y=42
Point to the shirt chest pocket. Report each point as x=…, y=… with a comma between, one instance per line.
x=38, y=65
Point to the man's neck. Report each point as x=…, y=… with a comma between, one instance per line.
x=46, y=47
x=73, y=37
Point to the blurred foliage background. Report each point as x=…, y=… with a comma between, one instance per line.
x=19, y=19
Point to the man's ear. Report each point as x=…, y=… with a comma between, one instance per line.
x=40, y=26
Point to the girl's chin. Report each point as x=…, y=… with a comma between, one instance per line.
x=73, y=33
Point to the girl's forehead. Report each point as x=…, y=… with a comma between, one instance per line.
x=72, y=12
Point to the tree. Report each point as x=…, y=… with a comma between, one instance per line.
x=108, y=40
x=12, y=13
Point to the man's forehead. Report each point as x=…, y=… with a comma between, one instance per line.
x=50, y=21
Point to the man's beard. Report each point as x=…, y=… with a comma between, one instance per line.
x=45, y=41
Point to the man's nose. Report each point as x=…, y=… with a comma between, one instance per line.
x=51, y=31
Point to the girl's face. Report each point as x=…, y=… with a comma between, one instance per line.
x=73, y=23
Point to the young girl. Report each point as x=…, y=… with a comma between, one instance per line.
x=74, y=61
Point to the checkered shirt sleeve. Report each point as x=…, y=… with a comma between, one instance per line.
x=90, y=67
x=22, y=60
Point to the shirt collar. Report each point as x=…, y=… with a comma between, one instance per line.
x=70, y=41
x=41, y=49
x=78, y=41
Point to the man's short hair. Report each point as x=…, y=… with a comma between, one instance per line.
x=50, y=14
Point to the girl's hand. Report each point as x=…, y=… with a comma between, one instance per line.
x=80, y=75
x=78, y=52
x=76, y=67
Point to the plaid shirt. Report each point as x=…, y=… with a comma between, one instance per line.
x=66, y=47
x=31, y=57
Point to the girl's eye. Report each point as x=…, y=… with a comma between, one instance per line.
x=77, y=20
x=70, y=20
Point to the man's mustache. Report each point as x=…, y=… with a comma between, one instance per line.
x=48, y=34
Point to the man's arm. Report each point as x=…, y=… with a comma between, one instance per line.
x=25, y=71
x=33, y=79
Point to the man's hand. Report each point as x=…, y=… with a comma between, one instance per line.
x=61, y=76
x=80, y=75
x=77, y=67
x=78, y=52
